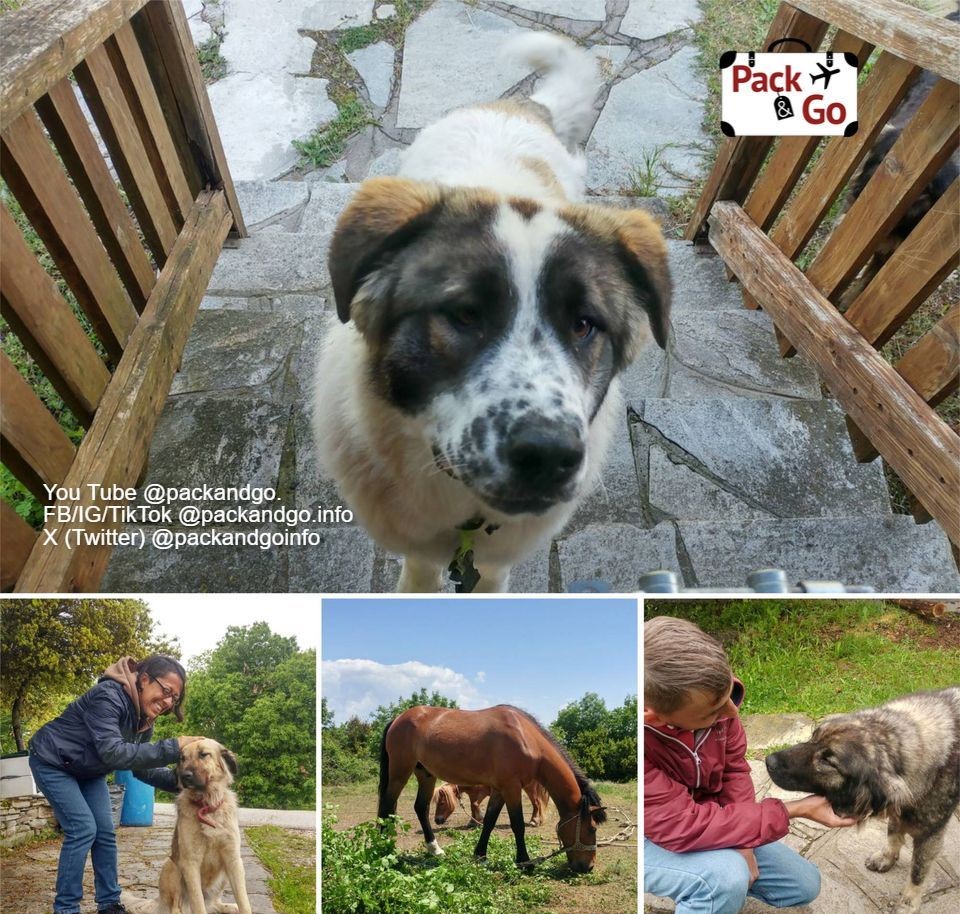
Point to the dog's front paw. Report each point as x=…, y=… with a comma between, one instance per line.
x=880, y=862
x=907, y=905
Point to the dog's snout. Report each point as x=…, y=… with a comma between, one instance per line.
x=544, y=455
x=772, y=762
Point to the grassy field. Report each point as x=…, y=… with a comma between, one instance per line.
x=455, y=883
x=290, y=858
x=824, y=656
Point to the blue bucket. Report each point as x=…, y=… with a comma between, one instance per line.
x=137, y=800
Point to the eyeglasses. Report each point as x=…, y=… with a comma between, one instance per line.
x=166, y=690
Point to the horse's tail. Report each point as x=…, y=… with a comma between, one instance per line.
x=383, y=804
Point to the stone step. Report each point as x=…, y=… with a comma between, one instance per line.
x=720, y=354
x=750, y=458
x=890, y=554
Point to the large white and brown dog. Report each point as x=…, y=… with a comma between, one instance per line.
x=472, y=384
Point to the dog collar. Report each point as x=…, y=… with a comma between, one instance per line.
x=462, y=571
x=203, y=809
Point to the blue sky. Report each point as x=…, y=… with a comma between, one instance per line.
x=537, y=654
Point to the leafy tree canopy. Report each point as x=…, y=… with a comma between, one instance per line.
x=54, y=649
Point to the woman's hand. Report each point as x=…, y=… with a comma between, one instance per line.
x=185, y=741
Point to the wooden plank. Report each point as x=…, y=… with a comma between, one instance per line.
x=914, y=270
x=740, y=158
x=792, y=154
x=929, y=41
x=68, y=128
x=18, y=539
x=42, y=41
x=931, y=367
x=129, y=64
x=51, y=204
x=116, y=446
x=42, y=320
x=116, y=122
x=35, y=448
x=918, y=154
x=920, y=447
x=880, y=94
x=177, y=65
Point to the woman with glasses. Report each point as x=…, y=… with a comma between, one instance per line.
x=105, y=729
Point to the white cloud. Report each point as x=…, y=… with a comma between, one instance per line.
x=358, y=687
x=481, y=677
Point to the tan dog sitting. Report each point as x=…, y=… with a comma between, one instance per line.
x=205, y=854
x=449, y=796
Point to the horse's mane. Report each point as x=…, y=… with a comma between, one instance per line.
x=589, y=796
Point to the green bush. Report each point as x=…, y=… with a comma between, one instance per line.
x=365, y=873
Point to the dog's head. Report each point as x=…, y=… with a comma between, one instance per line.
x=844, y=762
x=205, y=762
x=499, y=324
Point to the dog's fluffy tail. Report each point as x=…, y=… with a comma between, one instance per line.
x=570, y=82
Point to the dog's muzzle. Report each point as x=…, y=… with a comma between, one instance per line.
x=541, y=459
x=188, y=779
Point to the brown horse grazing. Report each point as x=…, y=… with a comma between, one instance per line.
x=448, y=796
x=503, y=747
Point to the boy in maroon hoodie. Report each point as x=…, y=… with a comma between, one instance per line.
x=708, y=843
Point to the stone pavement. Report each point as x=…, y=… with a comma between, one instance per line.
x=728, y=458
x=142, y=852
x=847, y=886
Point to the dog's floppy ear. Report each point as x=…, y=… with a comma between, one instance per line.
x=634, y=239
x=230, y=760
x=644, y=255
x=384, y=216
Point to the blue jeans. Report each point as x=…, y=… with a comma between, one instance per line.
x=717, y=882
x=82, y=808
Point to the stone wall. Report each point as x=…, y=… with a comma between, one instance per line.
x=23, y=817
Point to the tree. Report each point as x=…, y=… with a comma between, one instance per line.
x=277, y=738
x=603, y=742
x=53, y=648
x=255, y=692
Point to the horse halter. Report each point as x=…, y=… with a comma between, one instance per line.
x=577, y=845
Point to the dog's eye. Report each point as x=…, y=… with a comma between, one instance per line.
x=204, y=755
x=464, y=318
x=583, y=329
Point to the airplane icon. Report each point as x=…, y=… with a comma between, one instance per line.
x=824, y=74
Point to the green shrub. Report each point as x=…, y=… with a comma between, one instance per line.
x=364, y=872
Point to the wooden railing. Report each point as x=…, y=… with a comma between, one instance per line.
x=137, y=268
x=761, y=222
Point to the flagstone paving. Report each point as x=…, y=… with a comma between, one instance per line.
x=727, y=457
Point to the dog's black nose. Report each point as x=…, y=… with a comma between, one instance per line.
x=772, y=762
x=543, y=455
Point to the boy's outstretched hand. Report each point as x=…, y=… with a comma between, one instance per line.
x=818, y=809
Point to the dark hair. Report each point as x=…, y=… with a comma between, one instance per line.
x=157, y=665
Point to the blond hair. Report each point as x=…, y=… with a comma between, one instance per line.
x=680, y=658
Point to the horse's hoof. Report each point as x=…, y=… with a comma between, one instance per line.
x=434, y=849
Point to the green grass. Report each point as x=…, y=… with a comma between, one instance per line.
x=364, y=872
x=212, y=65
x=389, y=30
x=822, y=656
x=326, y=145
x=645, y=179
x=289, y=856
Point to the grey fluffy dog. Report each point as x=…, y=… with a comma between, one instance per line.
x=901, y=761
